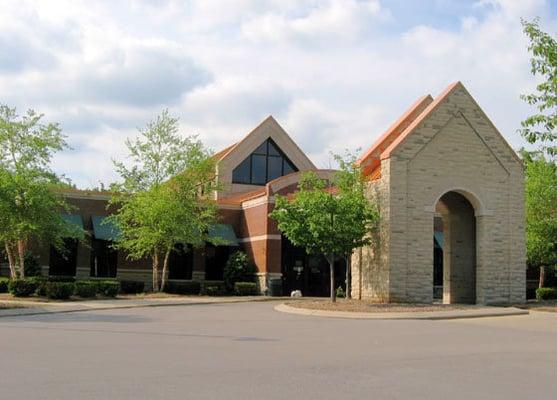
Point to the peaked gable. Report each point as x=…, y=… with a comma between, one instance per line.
x=454, y=100
x=370, y=160
x=267, y=129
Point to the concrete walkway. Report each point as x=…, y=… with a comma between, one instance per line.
x=36, y=307
x=476, y=312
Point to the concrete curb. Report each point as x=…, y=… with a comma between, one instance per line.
x=426, y=315
x=37, y=308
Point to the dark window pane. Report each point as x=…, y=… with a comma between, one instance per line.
x=63, y=262
x=273, y=149
x=288, y=167
x=215, y=260
x=258, y=169
x=262, y=149
x=241, y=173
x=275, y=167
x=104, y=259
x=180, y=262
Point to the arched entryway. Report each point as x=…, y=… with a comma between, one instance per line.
x=454, y=249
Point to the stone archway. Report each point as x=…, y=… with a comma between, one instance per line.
x=458, y=248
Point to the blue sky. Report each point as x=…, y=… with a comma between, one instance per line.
x=334, y=73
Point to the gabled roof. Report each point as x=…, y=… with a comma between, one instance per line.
x=371, y=158
x=405, y=126
x=285, y=137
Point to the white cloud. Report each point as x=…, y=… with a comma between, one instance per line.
x=334, y=73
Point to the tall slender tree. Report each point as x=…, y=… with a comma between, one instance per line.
x=328, y=217
x=30, y=205
x=165, y=197
x=541, y=127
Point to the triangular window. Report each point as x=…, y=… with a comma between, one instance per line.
x=267, y=162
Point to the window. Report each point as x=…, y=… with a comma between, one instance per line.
x=104, y=259
x=266, y=163
x=63, y=262
x=180, y=262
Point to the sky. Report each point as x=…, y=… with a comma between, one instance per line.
x=334, y=73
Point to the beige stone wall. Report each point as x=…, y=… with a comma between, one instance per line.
x=370, y=268
x=457, y=149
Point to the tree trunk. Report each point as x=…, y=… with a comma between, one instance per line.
x=542, y=276
x=155, y=272
x=331, y=260
x=349, y=277
x=165, y=270
x=11, y=261
x=21, y=256
x=360, y=274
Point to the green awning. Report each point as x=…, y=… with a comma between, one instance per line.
x=438, y=237
x=104, y=230
x=223, y=234
x=73, y=219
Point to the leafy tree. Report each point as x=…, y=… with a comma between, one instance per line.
x=238, y=268
x=541, y=212
x=328, y=217
x=541, y=127
x=30, y=205
x=165, y=195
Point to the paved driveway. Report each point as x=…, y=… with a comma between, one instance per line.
x=249, y=351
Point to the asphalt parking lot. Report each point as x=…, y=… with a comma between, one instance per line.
x=250, y=351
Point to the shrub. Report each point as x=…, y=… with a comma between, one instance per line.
x=59, y=290
x=238, y=269
x=61, y=278
x=245, y=289
x=40, y=281
x=182, y=287
x=85, y=288
x=132, y=287
x=213, y=288
x=22, y=287
x=108, y=288
x=340, y=292
x=4, y=284
x=546, y=293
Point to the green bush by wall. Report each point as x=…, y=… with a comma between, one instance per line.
x=183, y=287
x=59, y=290
x=22, y=287
x=132, y=287
x=546, y=293
x=245, y=289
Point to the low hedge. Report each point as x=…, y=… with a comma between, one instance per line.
x=22, y=287
x=182, y=287
x=4, y=285
x=107, y=288
x=546, y=294
x=41, y=284
x=86, y=289
x=132, y=287
x=245, y=289
x=59, y=290
x=213, y=288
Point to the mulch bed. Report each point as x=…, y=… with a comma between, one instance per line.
x=374, y=307
x=545, y=305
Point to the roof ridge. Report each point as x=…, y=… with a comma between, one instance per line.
x=386, y=153
x=393, y=131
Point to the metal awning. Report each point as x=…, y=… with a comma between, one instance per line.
x=223, y=234
x=73, y=219
x=438, y=238
x=104, y=230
